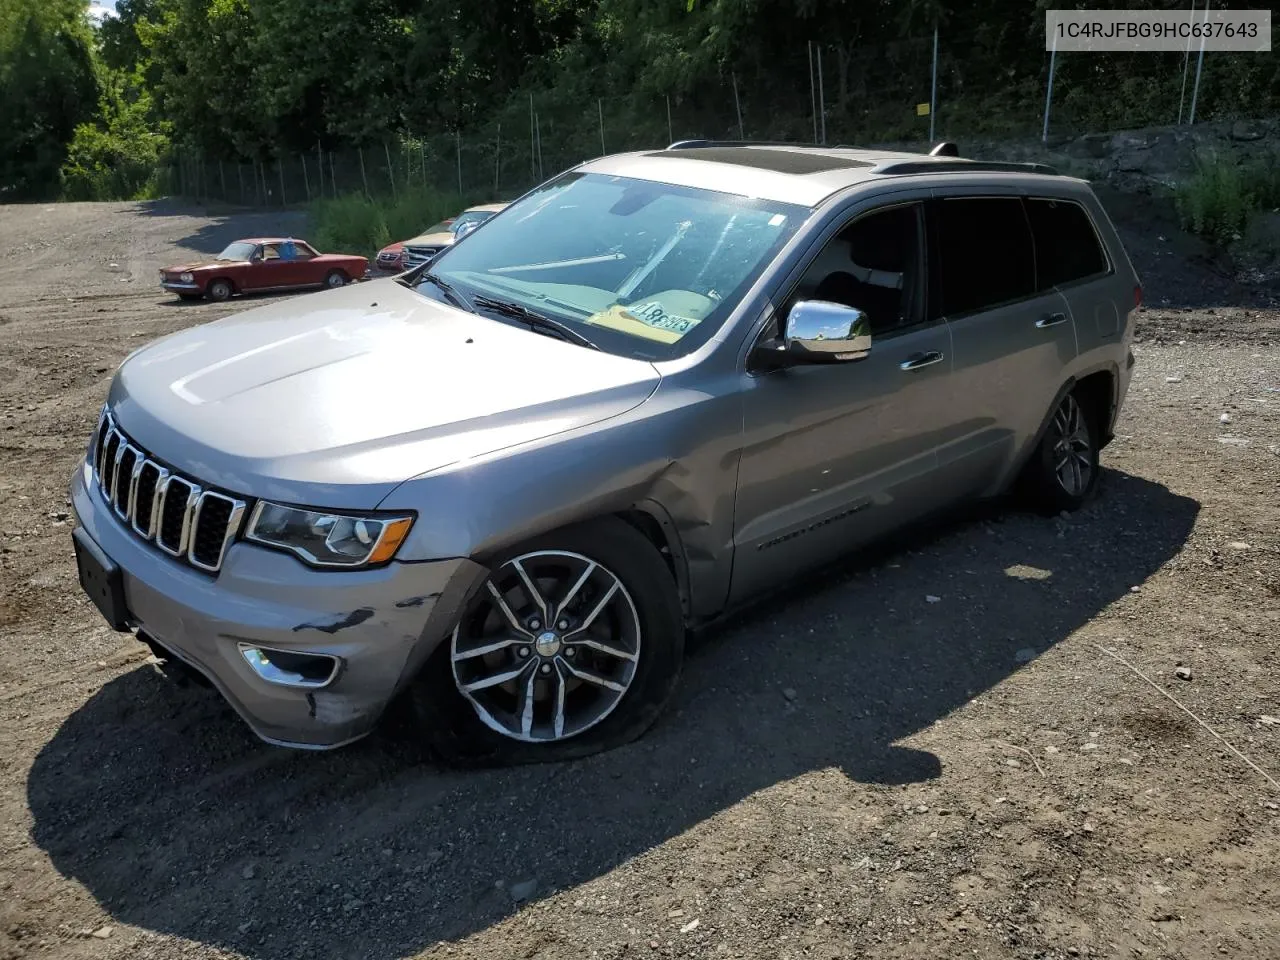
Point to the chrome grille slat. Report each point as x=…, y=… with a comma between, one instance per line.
x=184, y=492
x=147, y=512
x=195, y=549
x=127, y=458
x=201, y=523
x=100, y=437
x=107, y=470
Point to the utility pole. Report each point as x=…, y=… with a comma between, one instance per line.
x=933, y=93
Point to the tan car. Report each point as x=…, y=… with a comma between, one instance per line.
x=435, y=238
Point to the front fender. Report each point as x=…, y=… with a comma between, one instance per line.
x=674, y=458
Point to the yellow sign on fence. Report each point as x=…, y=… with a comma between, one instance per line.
x=922, y=109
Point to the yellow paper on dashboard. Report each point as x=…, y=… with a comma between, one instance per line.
x=652, y=323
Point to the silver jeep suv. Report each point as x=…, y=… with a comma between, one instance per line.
x=497, y=490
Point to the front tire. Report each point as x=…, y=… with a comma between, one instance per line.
x=220, y=290
x=1063, y=472
x=572, y=646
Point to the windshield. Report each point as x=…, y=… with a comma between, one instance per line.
x=643, y=269
x=471, y=216
x=237, y=251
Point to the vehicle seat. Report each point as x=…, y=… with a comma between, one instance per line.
x=840, y=287
x=879, y=270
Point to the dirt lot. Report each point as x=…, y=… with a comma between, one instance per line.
x=852, y=772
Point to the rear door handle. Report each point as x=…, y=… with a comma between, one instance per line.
x=918, y=361
x=1052, y=320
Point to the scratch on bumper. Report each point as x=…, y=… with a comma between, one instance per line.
x=266, y=598
x=352, y=619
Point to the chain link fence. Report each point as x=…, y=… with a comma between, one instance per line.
x=916, y=90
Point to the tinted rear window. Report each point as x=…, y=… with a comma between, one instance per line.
x=1067, y=245
x=984, y=245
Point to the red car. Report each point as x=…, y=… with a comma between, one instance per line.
x=261, y=265
x=391, y=258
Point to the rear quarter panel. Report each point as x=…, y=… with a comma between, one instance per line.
x=1104, y=308
x=352, y=265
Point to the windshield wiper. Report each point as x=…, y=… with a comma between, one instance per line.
x=535, y=320
x=449, y=290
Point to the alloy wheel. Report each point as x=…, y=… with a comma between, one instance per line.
x=1072, y=447
x=550, y=649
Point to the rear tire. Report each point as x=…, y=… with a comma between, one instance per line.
x=631, y=648
x=220, y=290
x=335, y=279
x=1063, y=472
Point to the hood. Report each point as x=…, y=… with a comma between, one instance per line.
x=197, y=264
x=441, y=238
x=335, y=398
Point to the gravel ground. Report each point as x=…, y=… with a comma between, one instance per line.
x=851, y=771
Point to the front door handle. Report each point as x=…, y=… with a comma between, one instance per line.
x=1052, y=320
x=918, y=361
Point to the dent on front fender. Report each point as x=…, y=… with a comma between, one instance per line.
x=447, y=606
x=678, y=452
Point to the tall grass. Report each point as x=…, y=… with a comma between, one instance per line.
x=1218, y=201
x=358, y=224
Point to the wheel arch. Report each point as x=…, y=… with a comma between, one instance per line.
x=648, y=517
x=1098, y=390
x=1099, y=385
x=653, y=521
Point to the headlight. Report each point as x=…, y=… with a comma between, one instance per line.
x=329, y=539
x=185, y=277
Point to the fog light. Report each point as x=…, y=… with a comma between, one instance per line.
x=290, y=669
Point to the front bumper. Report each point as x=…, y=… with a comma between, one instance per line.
x=381, y=624
x=182, y=287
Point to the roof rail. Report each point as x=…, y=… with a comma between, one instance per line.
x=694, y=144
x=945, y=149
x=957, y=165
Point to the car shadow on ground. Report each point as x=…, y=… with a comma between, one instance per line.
x=241, y=301
x=177, y=821
x=227, y=227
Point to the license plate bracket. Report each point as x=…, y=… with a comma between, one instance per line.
x=101, y=579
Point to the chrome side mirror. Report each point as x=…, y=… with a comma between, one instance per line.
x=818, y=331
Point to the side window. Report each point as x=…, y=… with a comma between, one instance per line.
x=1067, y=245
x=269, y=252
x=875, y=264
x=985, y=253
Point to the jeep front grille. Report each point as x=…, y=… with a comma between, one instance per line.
x=161, y=506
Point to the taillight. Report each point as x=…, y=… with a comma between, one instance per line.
x=1137, y=296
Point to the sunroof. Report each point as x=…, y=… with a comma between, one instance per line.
x=780, y=161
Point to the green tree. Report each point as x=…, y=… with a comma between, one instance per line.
x=49, y=87
x=119, y=154
x=204, y=76
x=120, y=45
